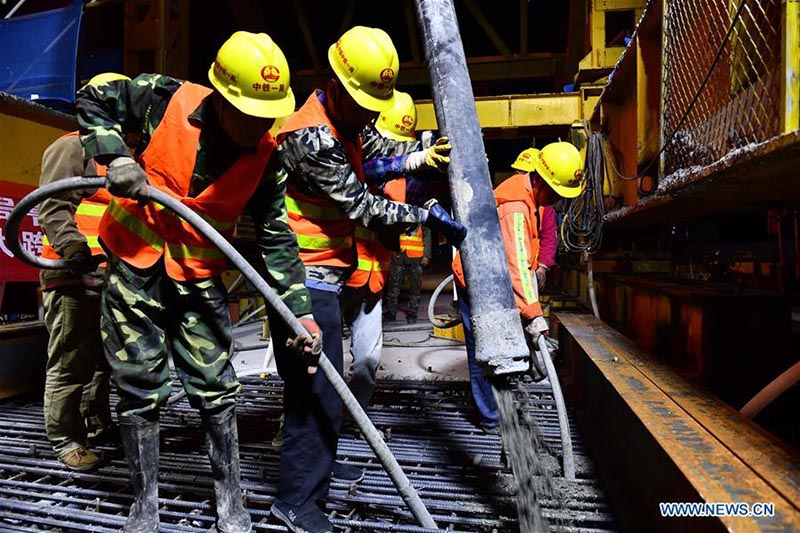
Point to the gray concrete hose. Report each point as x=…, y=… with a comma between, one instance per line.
x=371, y=434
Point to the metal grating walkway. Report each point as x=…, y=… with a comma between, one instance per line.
x=457, y=470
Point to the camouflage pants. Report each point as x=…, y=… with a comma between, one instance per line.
x=413, y=269
x=76, y=383
x=145, y=316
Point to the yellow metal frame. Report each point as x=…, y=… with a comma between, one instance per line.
x=23, y=142
x=790, y=60
x=515, y=111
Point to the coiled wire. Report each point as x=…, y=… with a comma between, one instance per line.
x=582, y=227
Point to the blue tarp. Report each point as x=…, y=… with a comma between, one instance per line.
x=38, y=53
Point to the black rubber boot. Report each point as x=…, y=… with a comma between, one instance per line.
x=140, y=440
x=223, y=451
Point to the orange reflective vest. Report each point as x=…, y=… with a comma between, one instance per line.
x=87, y=216
x=325, y=236
x=141, y=235
x=519, y=216
x=412, y=245
x=374, y=260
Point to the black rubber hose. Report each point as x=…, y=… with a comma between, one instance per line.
x=371, y=434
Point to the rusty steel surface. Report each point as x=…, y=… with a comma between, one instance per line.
x=703, y=450
x=747, y=180
x=688, y=325
x=458, y=470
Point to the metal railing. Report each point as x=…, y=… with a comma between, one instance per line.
x=722, y=78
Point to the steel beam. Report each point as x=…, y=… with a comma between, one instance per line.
x=514, y=111
x=659, y=439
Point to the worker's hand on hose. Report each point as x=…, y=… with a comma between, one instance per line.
x=126, y=178
x=541, y=275
x=308, y=347
x=439, y=219
x=536, y=328
x=80, y=260
x=437, y=157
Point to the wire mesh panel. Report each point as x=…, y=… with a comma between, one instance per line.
x=722, y=65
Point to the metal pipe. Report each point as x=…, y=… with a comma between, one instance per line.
x=371, y=434
x=561, y=408
x=499, y=342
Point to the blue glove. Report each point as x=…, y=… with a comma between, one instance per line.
x=439, y=220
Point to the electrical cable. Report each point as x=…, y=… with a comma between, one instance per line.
x=582, y=228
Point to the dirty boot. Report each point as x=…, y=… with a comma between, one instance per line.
x=223, y=452
x=140, y=440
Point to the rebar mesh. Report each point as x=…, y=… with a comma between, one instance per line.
x=739, y=103
x=458, y=470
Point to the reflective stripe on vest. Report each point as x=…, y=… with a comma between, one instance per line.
x=88, y=214
x=374, y=260
x=413, y=245
x=324, y=233
x=141, y=235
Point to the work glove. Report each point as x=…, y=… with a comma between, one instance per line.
x=80, y=261
x=126, y=178
x=437, y=157
x=536, y=328
x=541, y=275
x=308, y=348
x=439, y=219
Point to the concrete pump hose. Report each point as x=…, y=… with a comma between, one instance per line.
x=371, y=434
x=432, y=304
x=561, y=408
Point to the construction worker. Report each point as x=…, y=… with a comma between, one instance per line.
x=556, y=173
x=322, y=150
x=400, y=123
x=210, y=148
x=361, y=303
x=548, y=234
x=415, y=253
x=76, y=392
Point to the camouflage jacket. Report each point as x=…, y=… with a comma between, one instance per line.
x=109, y=112
x=316, y=163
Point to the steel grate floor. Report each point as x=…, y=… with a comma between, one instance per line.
x=457, y=470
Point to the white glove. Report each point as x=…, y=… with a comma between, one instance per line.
x=536, y=328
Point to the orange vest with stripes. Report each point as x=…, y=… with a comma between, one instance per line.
x=374, y=260
x=325, y=236
x=509, y=195
x=410, y=244
x=87, y=216
x=140, y=235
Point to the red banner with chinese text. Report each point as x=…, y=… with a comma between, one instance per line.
x=30, y=235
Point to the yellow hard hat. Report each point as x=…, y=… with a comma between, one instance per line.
x=399, y=122
x=106, y=77
x=251, y=73
x=365, y=61
x=561, y=166
x=525, y=160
